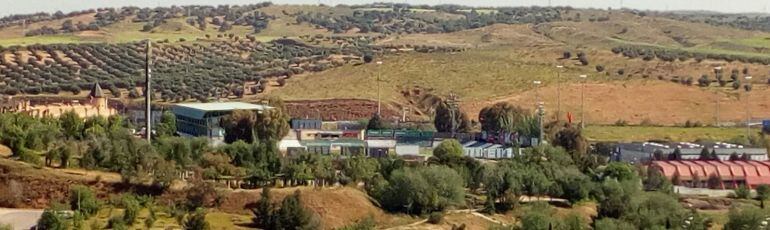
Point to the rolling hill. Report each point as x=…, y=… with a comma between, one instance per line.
x=482, y=55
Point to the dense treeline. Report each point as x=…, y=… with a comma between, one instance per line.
x=648, y=53
x=741, y=21
x=222, y=16
x=400, y=18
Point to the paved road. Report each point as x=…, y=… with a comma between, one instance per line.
x=20, y=219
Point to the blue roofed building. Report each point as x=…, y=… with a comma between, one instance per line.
x=202, y=119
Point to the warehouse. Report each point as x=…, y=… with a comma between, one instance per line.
x=714, y=174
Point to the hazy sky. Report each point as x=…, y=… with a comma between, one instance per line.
x=29, y=6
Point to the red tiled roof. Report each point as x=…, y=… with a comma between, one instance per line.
x=696, y=169
x=754, y=172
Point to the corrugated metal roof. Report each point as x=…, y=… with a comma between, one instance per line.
x=381, y=143
x=339, y=142
x=198, y=110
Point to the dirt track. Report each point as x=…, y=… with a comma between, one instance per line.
x=20, y=218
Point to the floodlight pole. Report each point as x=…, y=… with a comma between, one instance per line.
x=748, y=108
x=379, y=98
x=148, y=93
x=582, y=102
x=717, y=71
x=558, y=92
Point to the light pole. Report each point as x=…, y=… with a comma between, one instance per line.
x=539, y=108
x=583, y=101
x=558, y=91
x=748, y=110
x=717, y=71
x=537, y=92
x=379, y=99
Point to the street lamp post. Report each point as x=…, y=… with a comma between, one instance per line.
x=717, y=71
x=539, y=107
x=582, y=101
x=379, y=99
x=748, y=107
x=558, y=91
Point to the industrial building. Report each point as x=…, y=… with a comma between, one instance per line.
x=702, y=174
x=202, y=119
x=642, y=152
x=484, y=150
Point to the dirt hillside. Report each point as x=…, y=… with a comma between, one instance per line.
x=336, y=207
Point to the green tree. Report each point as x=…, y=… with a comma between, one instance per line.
x=448, y=151
x=741, y=192
x=540, y=217
x=292, y=215
x=375, y=122
x=82, y=199
x=272, y=124
x=501, y=117
x=53, y=218
x=450, y=119
x=263, y=213
x=360, y=168
x=71, y=124
x=705, y=154
x=763, y=193
x=612, y=224
x=239, y=125
x=656, y=181
x=197, y=221
x=132, y=208
x=745, y=217
x=167, y=125
x=416, y=191
x=620, y=171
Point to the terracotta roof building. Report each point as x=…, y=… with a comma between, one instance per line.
x=713, y=173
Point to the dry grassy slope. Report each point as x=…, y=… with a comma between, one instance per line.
x=508, y=35
x=505, y=66
x=335, y=207
x=638, y=100
x=628, y=28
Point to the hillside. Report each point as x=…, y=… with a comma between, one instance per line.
x=481, y=55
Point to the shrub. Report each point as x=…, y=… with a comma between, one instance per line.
x=52, y=219
x=599, y=68
x=132, y=208
x=741, y=192
x=197, y=221
x=83, y=199
x=746, y=217
x=436, y=217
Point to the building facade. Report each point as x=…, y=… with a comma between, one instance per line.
x=714, y=174
x=642, y=152
x=203, y=119
x=96, y=104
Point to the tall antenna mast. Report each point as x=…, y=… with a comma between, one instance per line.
x=148, y=93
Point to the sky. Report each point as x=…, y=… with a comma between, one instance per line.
x=732, y=6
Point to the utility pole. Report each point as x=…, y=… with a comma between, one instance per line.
x=748, y=108
x=541, y=115
x=558, y=92
x=539, y=108
x=717, y=72
x=379, y=99
x=148, y=93
x=583, y=102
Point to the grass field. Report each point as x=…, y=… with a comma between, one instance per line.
x=637, y=133
x=491, y=73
